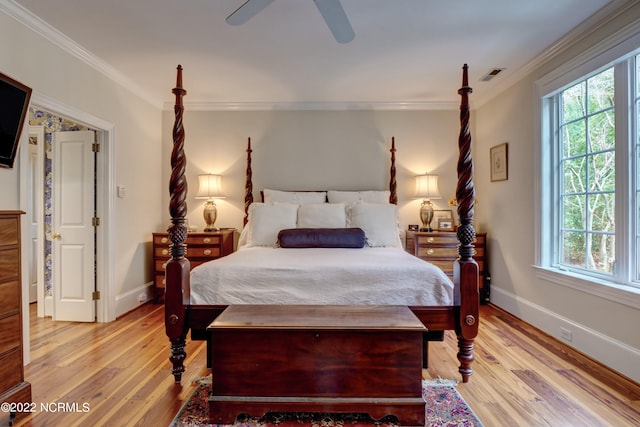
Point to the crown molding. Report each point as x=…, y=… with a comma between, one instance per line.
x=611, y=11
x=316, y=106
x=40, y=27
x=608, y=13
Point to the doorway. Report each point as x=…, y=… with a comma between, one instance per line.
x=55, y=117
x=105, y=241
x=61, y=217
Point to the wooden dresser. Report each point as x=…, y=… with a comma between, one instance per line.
x=201, y=247
x=441, y=249
x=13, y=388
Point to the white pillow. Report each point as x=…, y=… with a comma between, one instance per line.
x=379, y=222
x=297, y=197
x=322, y=215
x=265, y=221
x=375, y=196
x=244, y=236
x=350, y=197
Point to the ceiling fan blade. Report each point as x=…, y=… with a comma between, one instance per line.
x=248, y=10
x=336, y=20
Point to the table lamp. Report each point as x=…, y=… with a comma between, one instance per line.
x=427, y=189
x=209, y=188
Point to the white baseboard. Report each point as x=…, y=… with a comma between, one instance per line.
x=608, y=351
x=133, y=299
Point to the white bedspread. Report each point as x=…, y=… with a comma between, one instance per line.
x=377, y=276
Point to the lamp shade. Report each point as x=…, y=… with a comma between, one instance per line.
x=209, y=186
x=427, y=187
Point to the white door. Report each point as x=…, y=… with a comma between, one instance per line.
x=33, y=216
x=72, y=232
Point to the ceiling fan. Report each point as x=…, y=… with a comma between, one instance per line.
x=331, y=11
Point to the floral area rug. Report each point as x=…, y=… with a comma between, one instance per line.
x=445, y=408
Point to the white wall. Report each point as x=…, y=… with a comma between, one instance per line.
x=603, y=329
x=54, y=74
x=323, y=149
x=311, y=150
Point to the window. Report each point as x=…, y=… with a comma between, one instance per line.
x=636, y=168
x=587, y=174
x=589, y=171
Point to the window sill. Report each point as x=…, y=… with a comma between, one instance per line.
x=627, y=295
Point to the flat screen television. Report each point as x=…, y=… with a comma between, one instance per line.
x=14, y=103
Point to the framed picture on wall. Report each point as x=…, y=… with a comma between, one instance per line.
x=499, y=162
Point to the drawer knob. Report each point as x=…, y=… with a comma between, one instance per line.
x=430, y=251
x=207, y=240
x=164, y=239
x=165, y=252
x=164, y=265
x=207, y=251
x=430, y=239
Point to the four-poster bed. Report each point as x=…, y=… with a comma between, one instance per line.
x=183, y=315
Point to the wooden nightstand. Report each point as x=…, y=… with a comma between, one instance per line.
x=441, y=249
x=201, y=247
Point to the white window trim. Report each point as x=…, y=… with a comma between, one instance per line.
x=627, y=295
x=613, y=48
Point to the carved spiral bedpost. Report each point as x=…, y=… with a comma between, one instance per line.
x=393, y=192
x=465, y=268
x=177, y=269
x=248, y=186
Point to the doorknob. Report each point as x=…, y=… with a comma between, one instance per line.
x=56, y=235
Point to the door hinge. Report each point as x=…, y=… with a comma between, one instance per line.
x=95, y=147
x=95, y=221
x=95, y=295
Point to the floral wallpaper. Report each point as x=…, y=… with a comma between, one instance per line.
x=51, y=123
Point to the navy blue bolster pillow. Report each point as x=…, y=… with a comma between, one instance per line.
x=321, y=238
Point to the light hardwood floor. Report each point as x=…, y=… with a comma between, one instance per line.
x=120, y=370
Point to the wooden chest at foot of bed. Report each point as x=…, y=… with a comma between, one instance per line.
x=340, y=359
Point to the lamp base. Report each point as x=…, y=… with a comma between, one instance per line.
x=210, y=214
x=426, y=215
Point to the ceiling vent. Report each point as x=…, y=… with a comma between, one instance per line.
x=491, y=74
